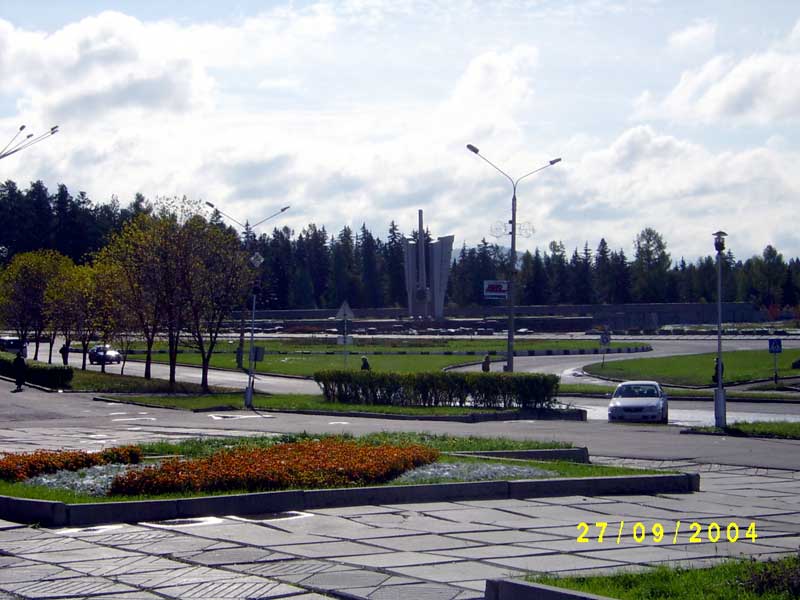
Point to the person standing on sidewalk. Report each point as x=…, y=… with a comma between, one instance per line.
x=19, y=371
x=486, y=364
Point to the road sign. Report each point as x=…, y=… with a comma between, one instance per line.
x=775, y=346
x=605, y=338
x=345, y=312
x=257, y=353
x=495, y=289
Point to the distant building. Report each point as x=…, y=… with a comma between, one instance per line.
x=425, y=290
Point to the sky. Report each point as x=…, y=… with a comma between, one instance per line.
x=676, y=115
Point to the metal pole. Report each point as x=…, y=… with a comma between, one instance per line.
x=719, y=396
x=248, y=396
x=511, y=277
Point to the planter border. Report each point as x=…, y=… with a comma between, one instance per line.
x=59, y=514
x=515, y=589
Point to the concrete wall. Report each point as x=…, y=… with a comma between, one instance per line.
x=616, y=316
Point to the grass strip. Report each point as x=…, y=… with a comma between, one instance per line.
x=697, y=369
x=788, y=430
x=199, y=447
x=740, y=579
x=96, y=381
x=307, y=364
x=296, y=402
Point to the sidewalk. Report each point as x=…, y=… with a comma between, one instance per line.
x=441, y=550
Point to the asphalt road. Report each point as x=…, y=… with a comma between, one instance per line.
x=33, y=419
x=568, y=367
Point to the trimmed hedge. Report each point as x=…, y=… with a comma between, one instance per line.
x=449, y=388
x=52, y=376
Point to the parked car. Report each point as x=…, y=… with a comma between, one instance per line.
x=639, y=401
x=13, y=345
x=104, y=354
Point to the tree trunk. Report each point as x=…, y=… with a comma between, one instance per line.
x=85, y=350
x=50, y=354
x=36, y=348
x=148, y=359
x=204, y=380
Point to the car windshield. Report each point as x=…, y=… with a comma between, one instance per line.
x=636, y=391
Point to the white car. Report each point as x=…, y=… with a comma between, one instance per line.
x=639, y=401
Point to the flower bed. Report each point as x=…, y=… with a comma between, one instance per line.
x=313, y=463
x=21, y=466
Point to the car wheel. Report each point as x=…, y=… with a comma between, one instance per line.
x=665, y=417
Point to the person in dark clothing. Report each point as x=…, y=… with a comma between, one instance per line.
x=486, y=364
x=365, y=364
x=64, y=352
x=19, y=371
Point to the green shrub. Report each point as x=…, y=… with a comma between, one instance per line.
x=485, y=390
x=52, y=376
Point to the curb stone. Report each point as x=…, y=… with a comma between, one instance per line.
x=514, y=589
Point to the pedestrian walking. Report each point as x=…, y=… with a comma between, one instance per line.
x=19, y=371
x=64, y=352
x=365, y=364
x=486, y=364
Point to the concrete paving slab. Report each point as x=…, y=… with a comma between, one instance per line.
x=553, y=563
x=231, y=556
x=242, y=589
x=329, y=549
x=466, y=570
x=344, y=580
x=489, y=552
x=67, y=556
x=30, y=571
x=80, y=586
x=420, y=543
x=506, y=536
x=141, y=563
x=395, y=559
x=293, y=569
x=257, y=535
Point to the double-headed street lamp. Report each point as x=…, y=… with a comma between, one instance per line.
x=513, y=258
x=14, y=146
x=719, y=393
x=256, y=261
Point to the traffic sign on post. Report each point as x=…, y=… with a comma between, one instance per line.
x=345, y=312
x=775, y=348
x=605, y=338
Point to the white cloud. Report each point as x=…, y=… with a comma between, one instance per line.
x=698, y=38
x=759, y=89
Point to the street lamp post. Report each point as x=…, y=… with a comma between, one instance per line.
x=256, y=261
x=14, y=146
x=513, y=257
x=719, y=393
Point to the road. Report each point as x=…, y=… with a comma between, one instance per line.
x=33, y=419
x=569, y=368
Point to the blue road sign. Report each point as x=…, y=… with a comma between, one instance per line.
x=605, y=338
x=775, y=346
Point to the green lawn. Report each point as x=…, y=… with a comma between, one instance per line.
x=95, y=381
x=289, y=402
x=697, y=369
x=306, y=364
x=739, y=579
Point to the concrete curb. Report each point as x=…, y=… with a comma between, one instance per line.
x=59, y=514
x=514, y=589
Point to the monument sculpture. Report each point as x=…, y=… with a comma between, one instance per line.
x=427, y=271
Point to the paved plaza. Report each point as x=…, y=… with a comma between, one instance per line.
x=442, y=551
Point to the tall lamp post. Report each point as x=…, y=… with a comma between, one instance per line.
x=14, y=145
x=719, y=393
x=513, y=274
x=256, y=261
